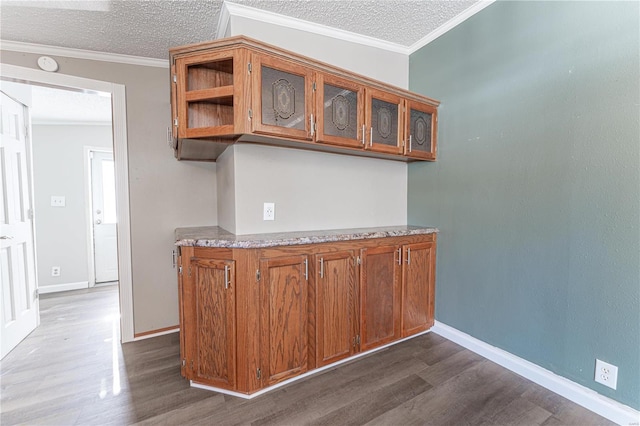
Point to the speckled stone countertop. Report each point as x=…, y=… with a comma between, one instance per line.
x=214, y=236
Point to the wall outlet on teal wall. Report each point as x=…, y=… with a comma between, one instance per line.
x=607, y=374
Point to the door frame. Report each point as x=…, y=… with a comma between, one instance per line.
x=88, y=193
x=120, y=155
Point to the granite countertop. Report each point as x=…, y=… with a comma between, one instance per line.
x=214, y=236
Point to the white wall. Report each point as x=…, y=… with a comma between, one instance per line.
x=314, y=190
x=164, y=193
x=225, y=178
x=384, y=65
x=58, y=169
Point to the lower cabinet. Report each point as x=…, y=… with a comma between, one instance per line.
x=417, y=298
x=209, y=319
x=336, y=307
x=296, y=308
x=283, y=318
x=380, y=294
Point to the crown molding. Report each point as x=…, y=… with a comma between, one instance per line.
x=224, y=19
x=50, y=122
x=230, y=10
x=42, y=49
x=449, y=25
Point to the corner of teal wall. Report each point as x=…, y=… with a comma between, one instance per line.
x=536, y=190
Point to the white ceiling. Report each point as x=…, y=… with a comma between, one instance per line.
x=148, y=28
x=57, y=106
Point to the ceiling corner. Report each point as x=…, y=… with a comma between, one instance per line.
x=449, y=25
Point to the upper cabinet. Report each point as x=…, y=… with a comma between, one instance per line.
x=340, y=111
x=239, y=89
x=281, y=98
x=420, y=128
x=384, y=121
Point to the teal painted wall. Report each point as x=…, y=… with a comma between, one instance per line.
x=536, y=190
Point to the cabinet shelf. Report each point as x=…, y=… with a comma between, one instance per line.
x=224, y=93
x=210, y=74
x=210, y=113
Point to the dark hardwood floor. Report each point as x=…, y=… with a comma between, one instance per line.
x=72, y=371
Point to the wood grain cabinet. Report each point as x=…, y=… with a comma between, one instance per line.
x=418, y=287
x=282, y=98
x=283, y=317
x=239, y=89
x=420, y=130
x=336, y=308
x=252, y=318
x=380, y=289
x=340, y=111
x=208, y=314
x=384, y=112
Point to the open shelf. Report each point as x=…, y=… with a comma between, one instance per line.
x=210, y=74
x=210, y=113
x=224, y=92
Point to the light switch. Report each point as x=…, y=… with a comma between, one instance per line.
x=58, y=201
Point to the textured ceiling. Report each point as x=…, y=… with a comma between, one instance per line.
x=50, y=105
x=148, y=28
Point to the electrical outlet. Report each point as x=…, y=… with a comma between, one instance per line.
x=58, y=201
x=269, y=212
x=55, y=271
x=607, y=374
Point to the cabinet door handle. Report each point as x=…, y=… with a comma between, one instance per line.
x=311, y=124
x=399, y=256
x=371, y=137
x=321, y=267
x=410, y=143
x=408, y=256
x=306, y=269
x=363, y=133
x=226, y=276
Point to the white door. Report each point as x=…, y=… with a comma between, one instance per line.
x=19, y=310
x=105, y=241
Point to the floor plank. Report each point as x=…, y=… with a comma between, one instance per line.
x=72, y=371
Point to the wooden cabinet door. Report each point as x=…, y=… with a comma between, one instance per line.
x=340, y=110
x=380, y=296
x=210, y=322
x=283, y=318
x=383, y=121
x=421, y=127
x=418, y=285
x=282, y=98
x=336, y=306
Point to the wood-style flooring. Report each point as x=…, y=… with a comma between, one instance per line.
x=72, y=371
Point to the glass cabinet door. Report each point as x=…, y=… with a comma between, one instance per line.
x=384, y=118
x=281, y=98
x=339, y=105
x=421, y=131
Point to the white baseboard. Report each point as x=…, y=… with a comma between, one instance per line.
x=307, y=374
x=587, y=398
x=159, y=333
x=54, y=288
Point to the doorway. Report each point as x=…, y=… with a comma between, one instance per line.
x=120, y=163
x=102, y=219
